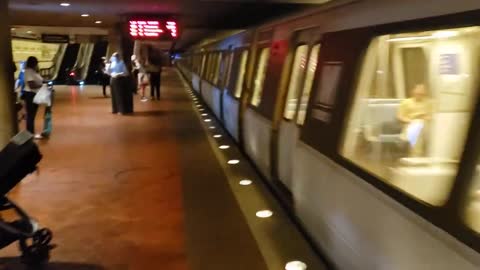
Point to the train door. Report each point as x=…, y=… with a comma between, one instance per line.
x=305, y=51
x=234, y=89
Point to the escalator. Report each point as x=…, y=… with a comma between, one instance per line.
x=99, y=51
x=68, y=62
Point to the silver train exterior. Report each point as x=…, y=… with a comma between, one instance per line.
x=313, y=99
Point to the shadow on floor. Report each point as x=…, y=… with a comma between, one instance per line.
x=15, y=264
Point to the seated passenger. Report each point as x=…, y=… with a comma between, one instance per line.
x=415, y=113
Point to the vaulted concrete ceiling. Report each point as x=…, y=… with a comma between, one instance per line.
x=196, y=17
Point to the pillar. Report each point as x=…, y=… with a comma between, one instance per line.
x=119, y=41
x=8, y=118
x=113, y=42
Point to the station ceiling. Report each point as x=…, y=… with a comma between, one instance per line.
x=196, y=17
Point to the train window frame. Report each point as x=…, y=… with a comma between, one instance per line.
x=355, y=96
x=301, y=79
x=235, y=71
x=312, y=47
x=257, y=93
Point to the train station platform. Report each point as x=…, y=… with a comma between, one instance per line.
x=153, y=190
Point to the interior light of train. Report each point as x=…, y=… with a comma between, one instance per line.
x=98, y=22
x=224, y=147
x=65, y=4
x=445, y=34
x=212, y=127
x=208, y=120
x=264, y=214
x=204, y=114
x=217, y=136
x=85, y=15
x=436, y=35
x=233, y=161
x=296, y=265
x=245, y=182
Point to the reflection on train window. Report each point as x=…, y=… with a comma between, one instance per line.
x=202, y=67
x=261, y=70
x=241, y=74
x=296, y=81
x=307, y=86
x=227, y=68
x=217, y=68
x=211, y=66
x=412, y=109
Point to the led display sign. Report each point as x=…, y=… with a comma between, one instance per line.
x=152, y=29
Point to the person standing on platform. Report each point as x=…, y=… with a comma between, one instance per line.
x=33, y=83
x=141, y=78
x=120, y=84
x=135, y=71
x=103, y=76
x=155, y=72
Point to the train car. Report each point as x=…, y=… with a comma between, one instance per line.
x=365, y=115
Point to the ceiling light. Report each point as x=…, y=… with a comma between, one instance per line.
x=217, y=136
x=296, y=265
x=445, y=34
x=223, y=147
x=208, y=120
x=245, y=182
x=212, y=127
x=13, y=28
x=98, y=22
x=65, y=4
x=264, y=214
x=85, y=15
x=29, y=32
x=204, y=114
x=233, y=161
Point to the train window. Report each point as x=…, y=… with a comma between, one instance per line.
x=217, y=68
x=241, y=74
x=210, y=67
x=202, y=70
x=228, y=63
x=261, y=70
x=307, y=86
x=296, y=81
x=223, y=69
x=411, y=89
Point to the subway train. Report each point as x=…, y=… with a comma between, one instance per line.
x=364, y=116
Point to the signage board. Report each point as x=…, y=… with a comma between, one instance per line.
x=152, y=29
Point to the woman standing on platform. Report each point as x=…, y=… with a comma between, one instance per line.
x=120, y=84
x=104, y=78
x=33, y=83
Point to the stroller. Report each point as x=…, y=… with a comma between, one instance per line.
x=20, y=158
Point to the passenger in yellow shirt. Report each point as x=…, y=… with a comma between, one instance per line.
x=416, y=112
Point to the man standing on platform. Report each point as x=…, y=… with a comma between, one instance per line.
x=155, y=72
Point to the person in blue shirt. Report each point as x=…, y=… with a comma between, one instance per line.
x=122, y=96
x=20, y=83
